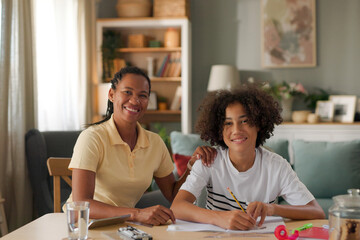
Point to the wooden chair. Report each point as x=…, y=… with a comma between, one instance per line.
x=3, y=224
x=58, y=168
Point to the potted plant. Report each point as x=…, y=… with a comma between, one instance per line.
x=111, y=41
x=164, y=136
x=318, y=95
x=285, y=93
x=162, y=103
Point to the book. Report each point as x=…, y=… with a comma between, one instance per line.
x=163, y=65
x=168, y=66
x=177, y=68
x=176, y=103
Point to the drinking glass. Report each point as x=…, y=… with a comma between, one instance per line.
x=77, y=220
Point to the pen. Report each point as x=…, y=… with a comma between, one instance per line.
x=235, y=199
x=305, y=226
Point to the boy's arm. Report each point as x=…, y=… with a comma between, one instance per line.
x=312, y=210
x=184, y=209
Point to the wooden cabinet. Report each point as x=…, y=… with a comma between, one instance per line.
x=165, y=87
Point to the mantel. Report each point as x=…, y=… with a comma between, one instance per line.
x=322, y=123
x=333, y=132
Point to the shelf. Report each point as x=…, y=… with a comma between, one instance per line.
x=161, y=116
x=158, y=79
x=320, y=123
x=138, y=19
x=148, y=49
x=163, y=112
x=154, y=28
x=166, y=79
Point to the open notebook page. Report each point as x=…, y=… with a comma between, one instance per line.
x=268, y=227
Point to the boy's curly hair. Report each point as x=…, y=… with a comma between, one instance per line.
x=261, y=109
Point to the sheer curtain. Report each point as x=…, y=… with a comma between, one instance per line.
x=64, y=41
x=65, y=53
x=16, y=106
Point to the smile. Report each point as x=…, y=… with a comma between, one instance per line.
x=239, y=140
x=132, y=109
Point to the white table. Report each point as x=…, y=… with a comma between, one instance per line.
x=53, y=226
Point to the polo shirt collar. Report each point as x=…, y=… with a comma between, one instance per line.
x=115, y=138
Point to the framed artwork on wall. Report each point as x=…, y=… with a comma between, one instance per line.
x=325, y=110
x=344, y=107
x=288, y=33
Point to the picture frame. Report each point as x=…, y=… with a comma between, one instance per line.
x=344, y=108
x=325, y=110
x=152, y=105
x=288, y=34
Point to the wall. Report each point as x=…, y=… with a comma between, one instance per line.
x=228, y=32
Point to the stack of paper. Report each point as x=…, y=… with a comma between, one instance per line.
x=268, y=227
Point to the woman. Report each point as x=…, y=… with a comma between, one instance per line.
x=239, y=122
x=115, y=160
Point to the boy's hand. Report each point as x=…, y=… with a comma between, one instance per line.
x=235, y=220
x=256, y=209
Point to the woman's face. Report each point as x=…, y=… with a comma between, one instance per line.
x=130, y=98
x=238, y=135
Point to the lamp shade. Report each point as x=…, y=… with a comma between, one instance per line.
x=223, y=77
x=103, y=91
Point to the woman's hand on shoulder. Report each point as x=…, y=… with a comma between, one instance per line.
x=206, y=154
x=154, y=215
x=256, y=209
x=235, y=220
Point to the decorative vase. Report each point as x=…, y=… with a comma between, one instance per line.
x=286, y=105
x=300, y=116
x=172, y=38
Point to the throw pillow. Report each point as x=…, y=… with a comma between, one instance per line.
x=327, y=168
x=279, y=146
x=181, y=163
x=185, y=144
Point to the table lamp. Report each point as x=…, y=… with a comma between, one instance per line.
x=103, y=90
x=223, y=77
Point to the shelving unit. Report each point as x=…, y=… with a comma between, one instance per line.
x=163, y=86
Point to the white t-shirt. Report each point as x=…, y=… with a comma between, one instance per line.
x=271, y=176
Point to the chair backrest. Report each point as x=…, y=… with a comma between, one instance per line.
x=39, y=147
x=3, y=224
x=58, y=168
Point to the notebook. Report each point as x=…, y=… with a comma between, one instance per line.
x=94, y=223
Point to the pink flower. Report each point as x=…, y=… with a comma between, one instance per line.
x=300, y=88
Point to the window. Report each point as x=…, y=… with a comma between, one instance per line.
x=57, y=64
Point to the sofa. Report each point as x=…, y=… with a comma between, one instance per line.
x=326, y=168
x=39, y=146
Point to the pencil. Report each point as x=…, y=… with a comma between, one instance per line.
x=235, y=199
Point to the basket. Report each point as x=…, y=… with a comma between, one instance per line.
x=171, y=8
x=133, y=8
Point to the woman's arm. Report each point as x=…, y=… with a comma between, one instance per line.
x=170, y=187
x=184, y=209
x=312, y=210
x=83, y=187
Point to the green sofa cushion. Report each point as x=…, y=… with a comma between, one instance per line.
x=185, y=144
x=327, y=168
x=279, y=146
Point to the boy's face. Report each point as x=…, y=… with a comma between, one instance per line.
x=238, y=135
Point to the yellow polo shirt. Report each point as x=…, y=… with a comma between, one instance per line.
x=122, y=175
